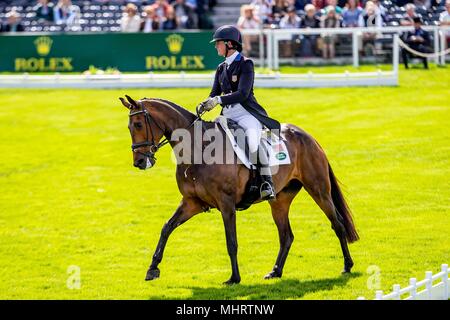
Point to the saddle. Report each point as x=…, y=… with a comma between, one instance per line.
x=278, y=155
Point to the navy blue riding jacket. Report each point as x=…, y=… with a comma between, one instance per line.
x=236, y=83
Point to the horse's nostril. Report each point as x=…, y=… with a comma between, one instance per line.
x=138, y=162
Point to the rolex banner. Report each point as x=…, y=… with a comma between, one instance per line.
x=135, y=52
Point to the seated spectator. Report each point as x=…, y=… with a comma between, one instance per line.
x=184, y=14
x=310, y=20
x=408, y=18
x=418, y=40
x=291, y=20
x=331, y=20
x=352, y=15
x=67, y=13
x=308, y=46
x=161, y=8
x=170, y=22
x=12, y=22
x=371, y=17
x=248, y=20
x=150, y=22
x=263, y=9
x=380, y=9
x=279, y=10
x=130, y=21
x=44, y=11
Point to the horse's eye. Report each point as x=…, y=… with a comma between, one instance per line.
x=138, y=125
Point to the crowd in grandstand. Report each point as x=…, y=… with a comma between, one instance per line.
x=160, y=15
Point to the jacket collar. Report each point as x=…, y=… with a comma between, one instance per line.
x=234, y=57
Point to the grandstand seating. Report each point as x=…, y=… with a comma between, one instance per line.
x=104, y=16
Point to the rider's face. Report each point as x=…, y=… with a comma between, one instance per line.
x=220, y=47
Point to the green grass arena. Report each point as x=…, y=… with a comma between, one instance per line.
x=70, y=196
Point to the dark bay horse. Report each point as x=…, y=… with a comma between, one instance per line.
x=203, y=186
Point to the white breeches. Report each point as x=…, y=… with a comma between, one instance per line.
x=249, y=123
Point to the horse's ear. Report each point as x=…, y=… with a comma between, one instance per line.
x=125, y=103
x=133, y=103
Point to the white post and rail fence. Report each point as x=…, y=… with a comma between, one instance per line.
x=433, y=287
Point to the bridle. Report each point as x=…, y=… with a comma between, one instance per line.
x=148, y=128
x=147, y=143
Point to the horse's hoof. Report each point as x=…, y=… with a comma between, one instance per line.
x=347, y=267
x=152, y=274
x=272, y=274
x=232, y=281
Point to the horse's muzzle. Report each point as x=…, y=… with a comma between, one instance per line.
x=144, y=163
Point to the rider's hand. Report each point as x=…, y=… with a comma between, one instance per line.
x=210, y=103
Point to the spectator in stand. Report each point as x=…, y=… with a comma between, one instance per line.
x=66, y=13
x=12, y=22
x=170, y=23
x=130, y=20
x=161, y=8
x=380, y=10
x=44, y=11
x=352, y=15
x=279, y=10
x=263, y=9
x=150, y=22
x=371, y=17
x=331, y=20
x=248, y=20
x=184, y=14
x=309, y=42
x=418, y=40
x=290, y=21
x=408, y=18
x=444, y=20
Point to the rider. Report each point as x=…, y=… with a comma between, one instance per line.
x=234, y=78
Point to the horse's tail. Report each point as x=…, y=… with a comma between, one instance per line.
x=342, y=208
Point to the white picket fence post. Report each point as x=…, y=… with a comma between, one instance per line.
x=439, y=291
x=412, y=283
x=396, y=288
x=429, y=277
x=444, y=269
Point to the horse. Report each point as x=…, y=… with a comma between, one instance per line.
x=153, y=121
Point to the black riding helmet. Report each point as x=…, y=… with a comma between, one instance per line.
x=229, y=33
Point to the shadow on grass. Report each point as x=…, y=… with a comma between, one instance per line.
x=272, y=289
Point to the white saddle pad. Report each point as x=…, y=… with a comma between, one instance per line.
x=276, y=146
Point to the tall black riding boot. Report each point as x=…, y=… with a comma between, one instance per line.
x=267, y=189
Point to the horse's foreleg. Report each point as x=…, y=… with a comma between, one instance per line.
x=229, y=221
x=187, y=208
x=280, y=214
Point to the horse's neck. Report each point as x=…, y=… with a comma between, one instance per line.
x=173, y=118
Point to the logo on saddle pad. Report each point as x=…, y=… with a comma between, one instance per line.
x=280, y=156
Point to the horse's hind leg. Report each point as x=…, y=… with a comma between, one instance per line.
x=320, y=191
x=280, y=214
x=187, y=208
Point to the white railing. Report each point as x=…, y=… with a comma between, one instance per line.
x=438, y=291
x=273, y=37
